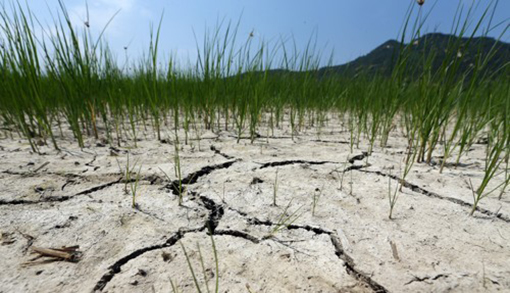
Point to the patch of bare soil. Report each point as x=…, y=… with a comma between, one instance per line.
x=328, y=232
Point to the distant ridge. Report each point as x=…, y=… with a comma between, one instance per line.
x=382, y=59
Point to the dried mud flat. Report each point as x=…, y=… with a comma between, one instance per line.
x=77, y=197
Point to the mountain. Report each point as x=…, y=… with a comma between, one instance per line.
x=382, y=59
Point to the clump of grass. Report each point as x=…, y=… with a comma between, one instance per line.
x=492, y=163
x=134, y=187
x=128, y=172
x=342, y=173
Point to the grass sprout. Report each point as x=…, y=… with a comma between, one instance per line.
x=392, y=198
x=285, y=220
x=315, y=199
x=198, y=286
x=275, y=187
x=128, y=172
x=134, y=187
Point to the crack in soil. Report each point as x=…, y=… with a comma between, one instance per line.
x=358, y=157
x=355, y=167
x=256, y=221
x=216, y=212
x=426, y=278
x=117, y=266
x=330, y=141
x=60, y=198
x=259, y=136
x=351, y=267
x=218, y=152
x=316, y=230
x=238, y=234
x=339, y=251
x=215, y=215
x=100, y=187
x=176, y=185
x=151, y=178
x=89, y=164
x=291, y=162
x=431, y=194
x=34, y=174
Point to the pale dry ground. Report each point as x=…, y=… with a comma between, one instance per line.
x=79, y=199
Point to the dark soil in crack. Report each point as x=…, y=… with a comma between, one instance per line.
x=351, y=267
x=60, y=198
x=218, y=152
x=239, y=234
x=354, y=167
x=216, y=212
x=117, y=266
x=427, y=278
x=330, y=141
x=358, y=157
x=177, y=187
x=423, y=191
x=291, y=162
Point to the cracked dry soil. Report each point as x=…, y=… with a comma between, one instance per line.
x=344, y=244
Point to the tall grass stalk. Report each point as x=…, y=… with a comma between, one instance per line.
x=392, y=197
x=492, y=163
x=275, y=187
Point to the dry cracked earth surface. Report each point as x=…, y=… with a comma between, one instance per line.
x=328, y=232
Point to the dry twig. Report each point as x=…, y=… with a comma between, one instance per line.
x=69, y=253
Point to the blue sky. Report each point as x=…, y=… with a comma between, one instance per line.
x=351, y=27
